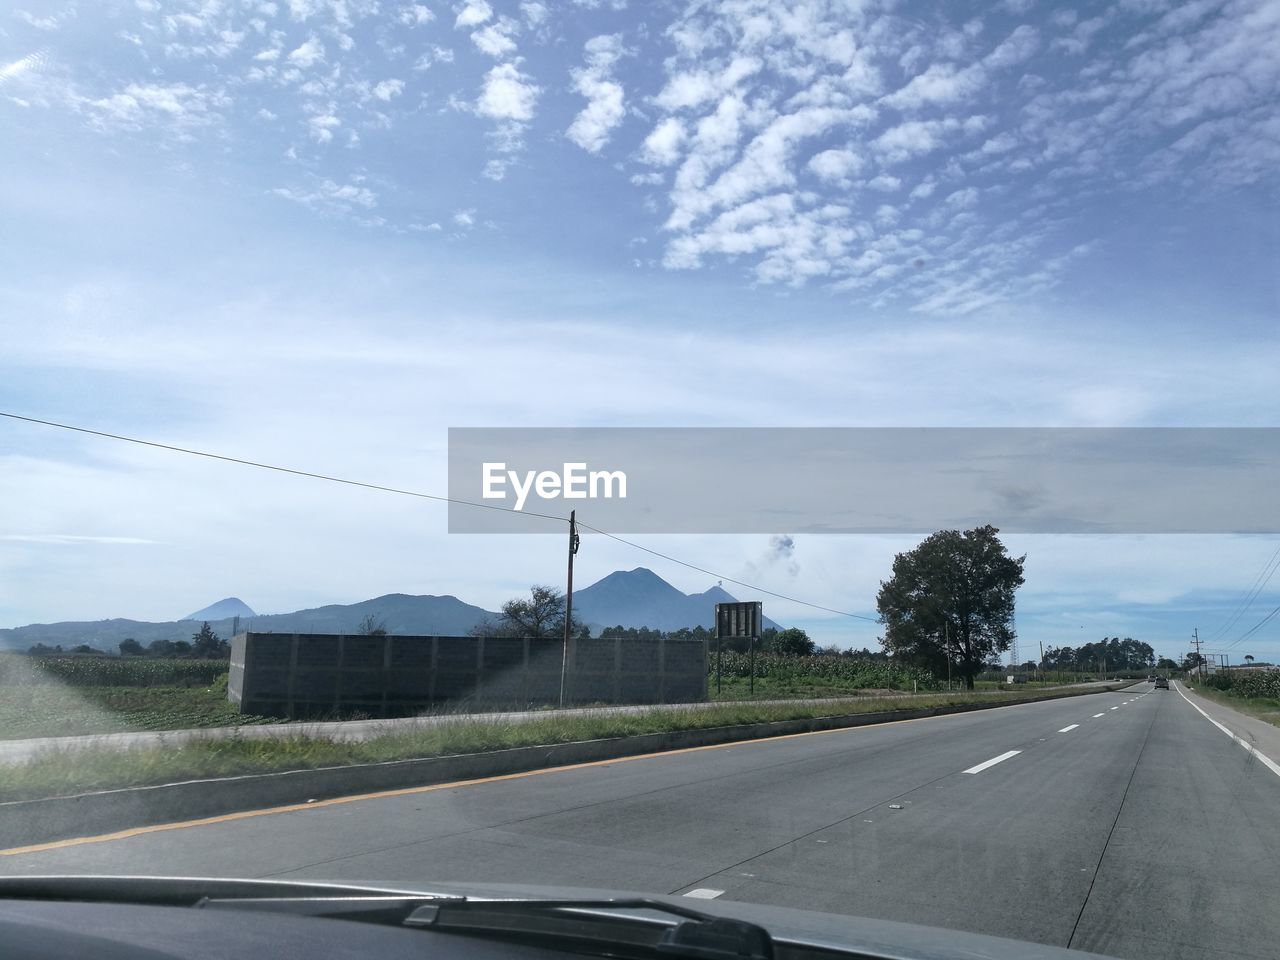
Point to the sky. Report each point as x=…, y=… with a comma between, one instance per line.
x=320, y=234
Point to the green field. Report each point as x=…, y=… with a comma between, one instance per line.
x=67, y=696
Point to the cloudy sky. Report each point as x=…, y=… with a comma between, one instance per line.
x=319, y=233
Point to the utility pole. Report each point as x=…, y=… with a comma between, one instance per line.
x=1195, y=633
x=568, y=602
x=1040, y=665
x=946, y=646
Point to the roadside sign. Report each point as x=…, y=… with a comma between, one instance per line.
x=738, y=619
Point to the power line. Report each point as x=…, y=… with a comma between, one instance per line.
x=278, y=469
x=1254, y=629
x=423, y=496
x=1259, y=583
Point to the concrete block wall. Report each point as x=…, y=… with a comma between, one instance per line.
x=298, y=675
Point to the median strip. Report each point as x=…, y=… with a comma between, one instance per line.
x=993, y=761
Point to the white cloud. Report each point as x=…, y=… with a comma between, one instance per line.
x=322, y=126
x=415, y=15
x=884, y=183
x=662, y=146
x=535, y=13
x=1019, y=46
x=696, y=87
x=431, y=56
x=387, y=89
x=942, y=83
x=605, y=98
x=308, y=54
x=329, y=197
x=465, y=218
x=837, y=166
x=917, y=137
x=508, y=94
x=303, y=9
x=473, y=13
x=497, y=39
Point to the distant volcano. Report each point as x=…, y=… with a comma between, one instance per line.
x=222, y=610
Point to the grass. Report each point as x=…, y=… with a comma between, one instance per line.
x=1262, y=708
x=60, y=773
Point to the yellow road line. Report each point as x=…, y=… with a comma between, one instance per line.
x=431, y=788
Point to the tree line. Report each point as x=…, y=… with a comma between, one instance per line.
x=205, y=644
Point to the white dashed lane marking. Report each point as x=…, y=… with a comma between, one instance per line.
x=1097, y=715
x=993, y=761
x=1069, y=729
x=704, y=893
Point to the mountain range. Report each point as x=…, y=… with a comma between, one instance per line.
x=628, y=598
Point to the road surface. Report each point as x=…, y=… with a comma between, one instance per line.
x=24, y=750
x=1124, y=823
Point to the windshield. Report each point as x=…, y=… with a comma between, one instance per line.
x=800, y=453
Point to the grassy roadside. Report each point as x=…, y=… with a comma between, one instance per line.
x=69, y=772
x=1261, y=708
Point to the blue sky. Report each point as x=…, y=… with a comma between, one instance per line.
x=321, y=233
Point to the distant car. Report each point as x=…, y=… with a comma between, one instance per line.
x=1162, y=683
x=1151, y=679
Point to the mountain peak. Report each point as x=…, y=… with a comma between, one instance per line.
x=228, y=607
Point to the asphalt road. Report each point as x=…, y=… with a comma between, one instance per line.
x=1124, y=823
x=24, y=750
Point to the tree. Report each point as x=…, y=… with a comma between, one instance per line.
x=207, y=645
x=793, y=642
x=950, y=602
x=372, y=626
x=1192, y=660
x=130, y=647
x=540, y=616
x=1164, y=663
x=83, y=648
x=1248, y=658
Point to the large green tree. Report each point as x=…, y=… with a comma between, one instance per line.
x=540, y=615
x=949, y=603
x=793, y=642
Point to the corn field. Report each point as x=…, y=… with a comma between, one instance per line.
x=844, y=671
x=1250, y=684
x=17, y=669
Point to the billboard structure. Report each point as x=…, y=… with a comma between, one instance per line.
x=738, y=621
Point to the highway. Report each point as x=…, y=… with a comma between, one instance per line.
x=1124, y=823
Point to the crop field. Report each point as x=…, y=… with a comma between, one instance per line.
x=68, y=696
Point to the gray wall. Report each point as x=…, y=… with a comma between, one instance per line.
x=292, y=675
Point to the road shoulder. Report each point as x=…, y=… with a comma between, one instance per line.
x=1253, y=734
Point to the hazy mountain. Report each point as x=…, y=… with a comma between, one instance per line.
x=631, y=598
x=398, y=612
x=230, y=607
x=641, y=598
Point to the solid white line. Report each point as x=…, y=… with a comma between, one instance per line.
x=993, y=761
x=703, y=893
x=1069, y=729
x=1267, y=761
x=1097, y=715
